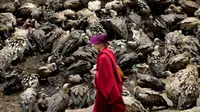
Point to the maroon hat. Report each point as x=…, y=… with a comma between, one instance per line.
x=98, y=39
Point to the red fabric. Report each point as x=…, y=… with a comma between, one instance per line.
x=108, y=84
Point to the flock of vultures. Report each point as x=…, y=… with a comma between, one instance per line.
x=46, y=57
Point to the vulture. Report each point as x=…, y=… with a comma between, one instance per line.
x=116, y=27
x=28, y=98
x=86, y=53
x=114, y=5
x=28, y=79
x=59, y=17
x=156, y=62
x=10, y=7
x=188, y=6
x=46, y=71
x=131, y=103
x=75, y=40
x=74, y=79
x=149, y=81
x=7, y=23
x=178, y=62
x=149, y=98
x=140, y=37
x=59, y=43
x=29, y=9
x=78, y=96
x=59, y=101
x=144, y=8
x=51, y=37
x=42, y=102
x=127, y=60
x=12, y=83
x=182, y=87
x=81, y=67
x=94, y=27
x=197, y=13
x=73, y=4
x=189, y=23
x=94, y=5
x=174, y=9
x=15, y=47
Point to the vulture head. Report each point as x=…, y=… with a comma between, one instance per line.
x=66, y=88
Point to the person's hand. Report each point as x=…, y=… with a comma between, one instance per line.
x=93, y=82
x=93, y=71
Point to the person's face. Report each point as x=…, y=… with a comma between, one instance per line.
x=98, y=46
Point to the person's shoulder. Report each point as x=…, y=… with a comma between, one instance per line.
x=103, y=56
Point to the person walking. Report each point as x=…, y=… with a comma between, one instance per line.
x=108, y=81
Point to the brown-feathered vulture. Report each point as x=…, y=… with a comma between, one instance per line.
x=86, y=53
x=74, y=41
x=140, y=37
x=15, y=47
x=7, y=23
x=59, y=101
x=149, y=98
x=28, y=98
x=156, y=62
x=127, y=60
x=29, y=9
x=149, y=81
x=189, y=23
x=46, y=71
x=59, y=17
x=73, y=4
x=12, y=83
x=144, y=8
x=94, y=26
x=54, y=5
x=174, y=9
x=59, y=43
x=42, y=102
x=38, y=38
x=197, y=13
x=182, y=87
x=51, y=37
x=114, y=5
x=80, y=67
x=178, y=62
x=74, y=79
x=41, y=34
x=178, y=42
x=78, y=96
x=132, y=104
x=188, y=6
x=116, y=27
x=28, y=79
x=119, y=47
x=10, y=6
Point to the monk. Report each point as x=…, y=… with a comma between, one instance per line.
x=108, y=81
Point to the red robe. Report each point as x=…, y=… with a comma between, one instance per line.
x=108, y=84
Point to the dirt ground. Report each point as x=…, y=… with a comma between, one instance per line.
x=9, y=103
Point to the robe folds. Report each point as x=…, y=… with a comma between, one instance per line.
x=108, y=84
